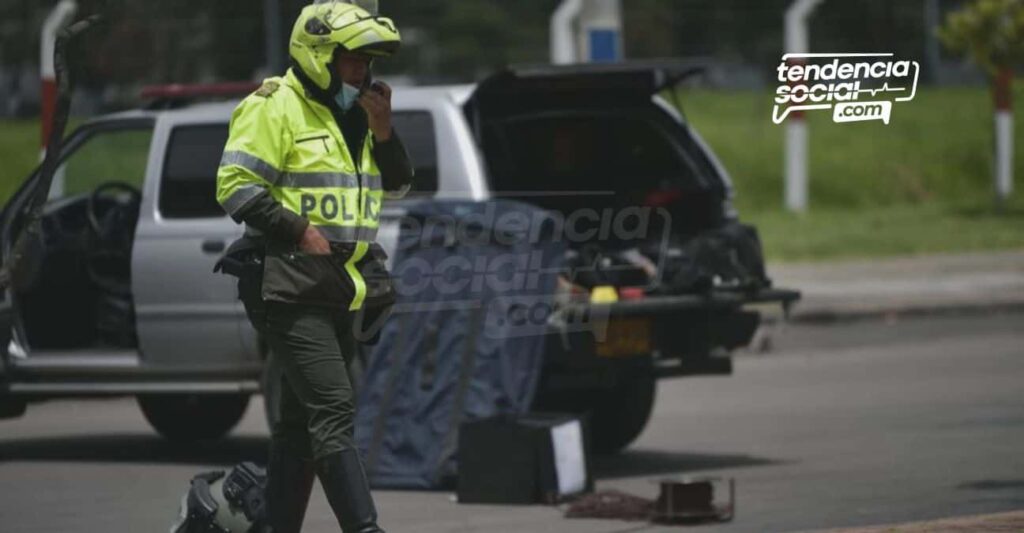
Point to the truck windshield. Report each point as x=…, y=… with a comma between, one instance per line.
x=188, y=188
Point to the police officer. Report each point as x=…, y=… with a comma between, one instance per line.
x=309, y=158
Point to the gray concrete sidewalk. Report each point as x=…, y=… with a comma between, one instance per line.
x=927, y=284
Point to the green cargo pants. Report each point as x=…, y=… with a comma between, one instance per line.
x=312, y=400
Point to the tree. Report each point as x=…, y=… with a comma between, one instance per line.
x=991, y=32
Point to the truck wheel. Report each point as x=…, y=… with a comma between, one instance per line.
x=188, y=417
x=620, y=415
x=12, y=407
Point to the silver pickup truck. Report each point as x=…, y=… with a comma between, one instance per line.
x=120, y=298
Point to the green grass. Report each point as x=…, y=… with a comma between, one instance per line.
x=112, y=156
x=19, y=153
x=117, y=156
x=920, y=184
x=885, y=231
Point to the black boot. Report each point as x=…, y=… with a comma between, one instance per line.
x=348, y=492
x=289, y=483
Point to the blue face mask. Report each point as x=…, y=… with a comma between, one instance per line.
x=347, y=96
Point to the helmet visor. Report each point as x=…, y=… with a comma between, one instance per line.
x=370, y=6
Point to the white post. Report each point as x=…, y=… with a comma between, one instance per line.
x=796, y=41
x=1004, y=153
x=1002, y=98
x=274, y=41
x=563, y=43
x=796, y=163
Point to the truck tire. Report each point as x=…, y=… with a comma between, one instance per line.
x=12, y=407
x=189, y=417
x=619, y=416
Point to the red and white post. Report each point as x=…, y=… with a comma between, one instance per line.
x=796, y=155
x=796, y=127
x=58, y=17
x=1002, y=96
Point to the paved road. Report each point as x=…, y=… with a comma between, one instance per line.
x=842, y=425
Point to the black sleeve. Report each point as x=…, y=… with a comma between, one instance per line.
x=270, y=217
x=396, y=170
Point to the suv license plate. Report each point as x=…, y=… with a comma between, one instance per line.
x=629, y=336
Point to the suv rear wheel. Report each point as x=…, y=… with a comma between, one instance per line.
x=619, y=416
x=187, y=417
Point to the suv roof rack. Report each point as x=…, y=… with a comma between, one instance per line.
x=175, y=95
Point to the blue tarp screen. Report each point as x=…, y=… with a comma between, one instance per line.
x=475, y=282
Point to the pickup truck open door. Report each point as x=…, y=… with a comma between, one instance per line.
x=67, y=305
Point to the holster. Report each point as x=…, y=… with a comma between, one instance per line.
x=243, y=258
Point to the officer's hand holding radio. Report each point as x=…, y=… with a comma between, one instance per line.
x=376, y=101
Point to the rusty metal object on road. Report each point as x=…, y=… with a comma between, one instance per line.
x=688, y=500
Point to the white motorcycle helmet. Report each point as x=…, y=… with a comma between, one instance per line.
x=219, y=503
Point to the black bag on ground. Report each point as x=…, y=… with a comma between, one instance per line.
x=533, y=458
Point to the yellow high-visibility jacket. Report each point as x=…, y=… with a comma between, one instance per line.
x=286, y=165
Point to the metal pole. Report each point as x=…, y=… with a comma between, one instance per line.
x=273, y=37
x=931, y=40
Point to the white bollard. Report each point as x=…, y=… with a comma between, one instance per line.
x=796, y=163
x=1004, y=153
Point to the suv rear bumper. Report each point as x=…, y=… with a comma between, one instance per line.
x=691, y=334
x=719, y=299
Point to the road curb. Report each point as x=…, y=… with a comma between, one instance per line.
x=831, y=316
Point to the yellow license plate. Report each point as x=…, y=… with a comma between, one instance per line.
x=625, y=336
